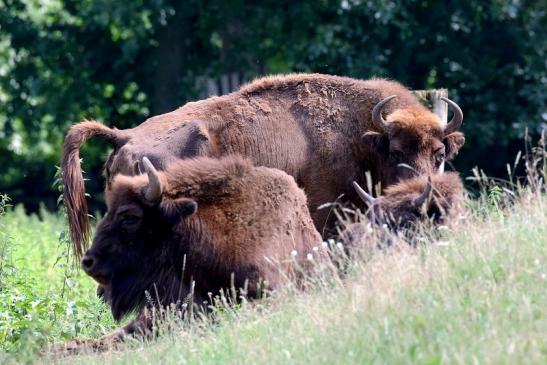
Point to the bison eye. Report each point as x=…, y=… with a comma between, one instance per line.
x=439, y=158
x=130, y=220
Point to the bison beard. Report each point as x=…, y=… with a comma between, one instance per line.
x=211, y=222
x=325, y=131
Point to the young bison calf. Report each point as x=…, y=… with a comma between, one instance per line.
x=211, y=223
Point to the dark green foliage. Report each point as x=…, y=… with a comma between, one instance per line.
x=122, y=61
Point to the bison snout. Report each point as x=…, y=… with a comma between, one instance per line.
x=94, y=268
x=87, y=263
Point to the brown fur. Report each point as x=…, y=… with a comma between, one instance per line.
x=247, y=223
x=397, y=210
x=314, y=127
x=245, y=206
x=446, y=197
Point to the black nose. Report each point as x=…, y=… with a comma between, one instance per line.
x=88, y=262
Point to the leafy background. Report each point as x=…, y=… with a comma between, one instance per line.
x=123, y=61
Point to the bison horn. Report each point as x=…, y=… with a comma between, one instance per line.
x=457, y=120
x=366, y=197
x=377, y=119
x=425, y=194
x=153, y=192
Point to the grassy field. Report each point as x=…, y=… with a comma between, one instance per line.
x=475, y=293
x=43, y=298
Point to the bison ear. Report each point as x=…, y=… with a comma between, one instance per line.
x=453, y=142
x=174, y=210
x=376, y=141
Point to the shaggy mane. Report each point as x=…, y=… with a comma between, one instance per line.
x=205, y=177
x=278, y=82
x=201, y=178
x=413, y=117
x=444, y=184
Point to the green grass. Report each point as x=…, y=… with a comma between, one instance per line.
x=43, y=298
x=477, y=293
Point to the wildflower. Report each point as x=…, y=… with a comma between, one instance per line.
x=294, y=253
x=309, y=257
x=315, y=248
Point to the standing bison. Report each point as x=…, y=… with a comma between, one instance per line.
x=216, y=223
x=325, y=131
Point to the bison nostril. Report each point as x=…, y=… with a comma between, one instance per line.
x=87, y=263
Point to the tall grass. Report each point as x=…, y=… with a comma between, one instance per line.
x=475, y=295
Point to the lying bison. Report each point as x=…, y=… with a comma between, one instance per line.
x=438, y=199
x=325, y=131
x=216, y=223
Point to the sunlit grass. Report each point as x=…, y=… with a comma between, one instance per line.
x=480, y=297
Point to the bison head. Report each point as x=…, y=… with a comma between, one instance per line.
x=134, y=249
x=412, y=141
x=415, y=200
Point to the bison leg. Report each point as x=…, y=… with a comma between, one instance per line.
x=142, y=325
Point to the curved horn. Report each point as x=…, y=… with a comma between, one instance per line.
x=425, y=194
x=153, y=192
x=457, y=120
x=366, y=197
x=377, y=119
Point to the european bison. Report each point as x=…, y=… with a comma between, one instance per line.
x=437, y=197
x=218, y=223
x=325, y=131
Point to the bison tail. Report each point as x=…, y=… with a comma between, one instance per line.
x=73, y=180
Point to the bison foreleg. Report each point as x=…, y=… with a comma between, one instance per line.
x=140, y=326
